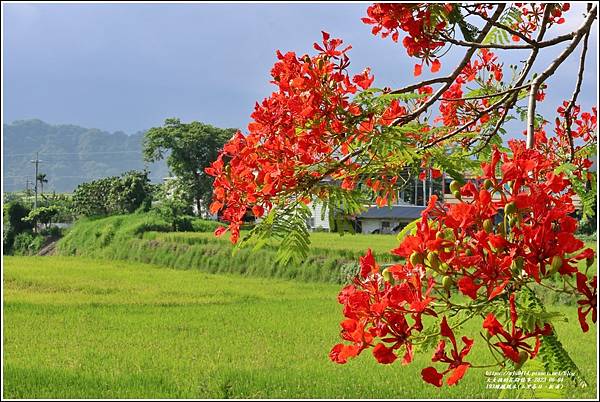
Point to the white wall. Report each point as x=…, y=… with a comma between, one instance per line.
x=316, y=209
x=369, y=225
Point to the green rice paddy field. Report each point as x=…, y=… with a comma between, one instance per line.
x=76, y=327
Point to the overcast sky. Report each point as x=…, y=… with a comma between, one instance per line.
x=129, y=66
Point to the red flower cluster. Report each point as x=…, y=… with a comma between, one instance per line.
x=589, y=303
x=583, y=129
x=532, y=15
x=503, y=233
x=417, y=20
x=375, y=308
x=296, y=128
x=454, y=110
x=455, y=361
x=514, y=341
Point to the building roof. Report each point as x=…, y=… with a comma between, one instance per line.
x=393, y=212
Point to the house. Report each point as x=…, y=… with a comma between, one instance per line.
x=316, y=221
x=386, y=220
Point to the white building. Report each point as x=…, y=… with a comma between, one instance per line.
x=316, y=221
x=387, y=220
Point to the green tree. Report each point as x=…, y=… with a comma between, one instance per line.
x=42, y=178
x=113, y=195
x=14, y=223
x=190, y=148
x=43, y=215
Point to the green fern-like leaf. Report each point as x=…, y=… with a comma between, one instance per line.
x=553, y=355
x=286, y=225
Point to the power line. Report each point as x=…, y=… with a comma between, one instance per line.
x=76, y=153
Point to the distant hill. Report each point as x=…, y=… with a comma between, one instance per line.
x=70, y=155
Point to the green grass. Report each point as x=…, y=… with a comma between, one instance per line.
x=145, y=238
x=83, y=328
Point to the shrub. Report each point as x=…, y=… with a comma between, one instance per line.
x=14, y=223
x=27, y=243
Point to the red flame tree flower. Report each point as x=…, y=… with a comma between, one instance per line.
x=329, y=136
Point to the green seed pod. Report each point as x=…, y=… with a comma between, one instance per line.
x=387, y=276
x=447, y=282
x=555, y=264
x=510, y=208
x=488, y=225
x=416, y=258
x=454, y=186
x=456, y=194
x=487, y=184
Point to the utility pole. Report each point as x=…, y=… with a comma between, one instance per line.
x=37, y=162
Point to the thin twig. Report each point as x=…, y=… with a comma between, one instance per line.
x=537, y=82
x=569, y=108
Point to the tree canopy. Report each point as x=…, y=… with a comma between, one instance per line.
x=188, y=148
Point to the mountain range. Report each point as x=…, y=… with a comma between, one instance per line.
x=69, y=155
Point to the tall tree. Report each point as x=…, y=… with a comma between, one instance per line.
x=191, y=147
x=42, y=178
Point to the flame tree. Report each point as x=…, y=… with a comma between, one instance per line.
x=511, y=231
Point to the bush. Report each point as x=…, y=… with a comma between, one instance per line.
x=183, y=224
x=52, y=231
x=14, y=224
x=114, y=195
x=202, y=225
x=27, y=244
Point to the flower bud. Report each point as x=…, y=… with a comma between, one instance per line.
x=456, y=194
x=517, y=265
x=416, y=258
x=555, y=264
x=387, y=276
x=510, y=208
x=501, y=229
x=447, y=282
x=589, y=261
x=523, y=356
x=488, y=225
x=434, y=260
x=454, y=186
x=487, y=184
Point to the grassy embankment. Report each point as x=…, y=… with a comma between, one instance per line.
x=145, y=238
x=82, y=328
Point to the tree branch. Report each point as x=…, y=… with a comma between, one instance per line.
x=538, y=81
x=533, y=45
x=507, y=91
x=569, y=108
x=450, y=79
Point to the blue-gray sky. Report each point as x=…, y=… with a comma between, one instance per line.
x=129, y=66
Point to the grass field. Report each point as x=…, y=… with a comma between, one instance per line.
x=145, y=238
x=82, y=328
